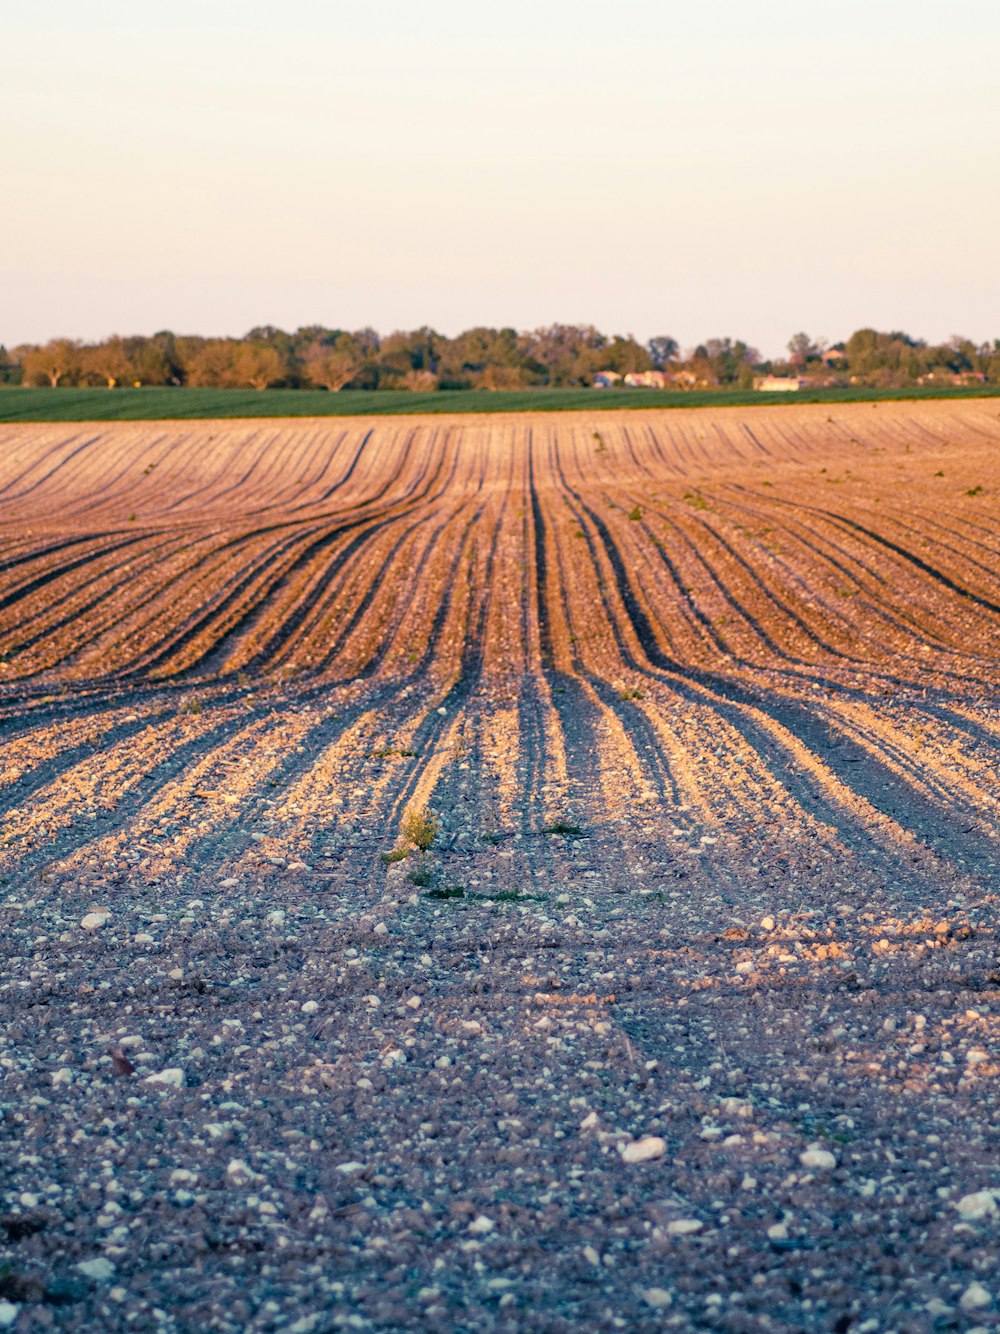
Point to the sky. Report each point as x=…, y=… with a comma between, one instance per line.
x=651, y=168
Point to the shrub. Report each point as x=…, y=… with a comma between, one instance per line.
x=420, y=827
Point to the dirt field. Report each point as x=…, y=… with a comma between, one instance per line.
x=688, y=1016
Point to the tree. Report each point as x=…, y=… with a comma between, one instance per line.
x=57, y=360
x=728, y=362
x=107, y=361
x=802, y=349
x=565, y=354
x=257, y=364
x=624, y=355
x=336, y=366
x=10, y=367
x=208, y=362
x=662, y=351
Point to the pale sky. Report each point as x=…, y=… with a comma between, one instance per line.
x=650, y=167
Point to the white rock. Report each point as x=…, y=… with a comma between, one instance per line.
x=682, y=1227
x=589, y=1121
x=100, y=1268
x=745, y=966
x=767, y=923
x=95, y=920
x=143, y=938
x=980, y=1204
x=277, y=917
x=820, y=1160
x=381, y=929
x=482, y=1225
x=8, y=1312
x=64, y=1075
x=778, y=1232
x=172, y=1078
x=309, y=1007
x=657, y=1297
x=975, y=1297
x=642, y=1150
x=229, y=882
x=239, y=1173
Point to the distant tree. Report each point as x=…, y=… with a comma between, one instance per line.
x=888, y=359
x=728, y=362
x=662, y=351
x=333, y=367
x=208, y=362
x=57, y=360
x=566, y=354
x=501, y=377
x=419, y=382
x=10, y=367
x=625, y=355
x=107, y=361
x=803, y=349
x=257, y=364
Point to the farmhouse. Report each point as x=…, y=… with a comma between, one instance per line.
x=606, y=379
x=776, y=384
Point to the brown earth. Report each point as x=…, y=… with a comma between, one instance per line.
x=704, y=708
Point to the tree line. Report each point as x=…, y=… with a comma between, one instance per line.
x=485, y=358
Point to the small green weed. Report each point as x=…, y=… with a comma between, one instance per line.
x=421, y=876
x=420, y=827
x=973, y=490
x=635, y=514
x=446, y=892
x=563, y=827
x=627, y=693
x=397, y=854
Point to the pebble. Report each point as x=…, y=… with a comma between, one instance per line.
x=309, y=1007
x=482, y=1225
x=980, y=1204
x=642, y=1150
x=62, y=1076
x=8, y=1312
x=99, y=1268
x=172, y=1078
x=821, y=1160
x=239, y=1173
x=975, y=1297
x=657, y=1297
x=778, y=1232
x=93, y=921
x=682, y=1227
x=767, y=923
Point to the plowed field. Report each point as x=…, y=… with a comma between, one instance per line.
x=703, y=707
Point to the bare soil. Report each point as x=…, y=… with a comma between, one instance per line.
x=686, y=1018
